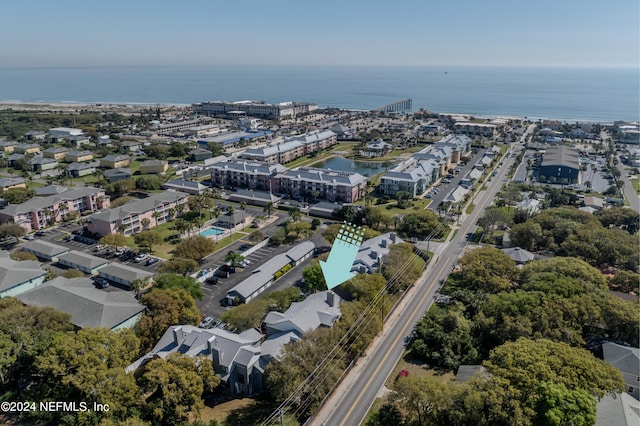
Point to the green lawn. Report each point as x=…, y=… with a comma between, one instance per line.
x=636, y=185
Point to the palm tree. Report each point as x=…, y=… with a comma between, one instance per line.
x=172, y=213
x=122, y=227
x=156, y=216
x=198, y=221
x=234, y=258
x=268, y=208
x=243, y=207
x=179, y=209
x=294, y=213
x=145, y=222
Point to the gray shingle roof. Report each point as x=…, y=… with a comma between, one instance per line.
x=311, y=174
x=307, y=315
x=13, y=273
x=83, y=259
x=624, y=358
x=138, y=206
x=44, y=247
x=87, y=305
x=264, y=273
x=124, y=272
x=5, y=182
x=39, y=203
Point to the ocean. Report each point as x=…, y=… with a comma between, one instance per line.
x=602, y=95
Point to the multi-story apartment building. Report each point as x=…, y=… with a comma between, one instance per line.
x=330, y=185
x=254, y=108
x=39, y=212
x=246, y=174
x=425, y=167
x=412, y=176
x=158, y=208
x=479, y=129
x=292, y=148
x=167, y=128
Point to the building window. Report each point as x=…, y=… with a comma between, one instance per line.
x=630, y=389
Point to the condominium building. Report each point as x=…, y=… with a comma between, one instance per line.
x=330, y=185
x=157, y=208
x=412, y=176
x=292, y=148
x=254, y=108
x=426, y=166
x=246, y=174
x=39, y=212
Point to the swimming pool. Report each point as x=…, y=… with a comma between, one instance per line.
x=211, y=231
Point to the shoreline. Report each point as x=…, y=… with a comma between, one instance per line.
x=73, y=105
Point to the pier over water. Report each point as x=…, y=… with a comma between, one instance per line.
x=403, y=105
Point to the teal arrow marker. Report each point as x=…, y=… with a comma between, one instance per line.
x=337, y=268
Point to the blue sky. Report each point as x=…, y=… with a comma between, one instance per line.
x=545, y=33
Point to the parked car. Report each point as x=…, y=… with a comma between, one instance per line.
x=403, y=373
x=28, y=237
x=152, y=261
x=101, y=282
x=206, y=323
x=139, y=258
x=119, y=252
x=99, y=247
x=41, y=233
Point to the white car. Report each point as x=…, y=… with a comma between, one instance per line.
x=139, y=258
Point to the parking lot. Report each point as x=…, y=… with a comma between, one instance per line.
x=89, y=246
x=211, y=305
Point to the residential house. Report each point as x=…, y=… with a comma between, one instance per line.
x=130, y=146
x=38, y=212
x=115, y=175
x=82, y=261
x=186, y=186
x=627, y=360
x=45, y=191
x=596, y=203
x=373, y=251
x=154, y=167
x=8, y=147
x=124, y=274
x=11, y=183
x=26, y=148
x=44, y=250
x=264, y=276
x=18, y=277
x=88, y=306
x=12, y=158
x=318, y=309
x=55, y=153
x=36, y=135
x=466, y=372
x=41, y=164
x=158, y=208
x=80, y=141
x=78, y=156
x=115, y=161
x=619, y=410
x=82, y=169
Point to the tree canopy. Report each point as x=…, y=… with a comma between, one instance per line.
x=188, y=284
x=195, y=248
x=487, y=269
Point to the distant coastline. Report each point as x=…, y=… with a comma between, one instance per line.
x=108, y=106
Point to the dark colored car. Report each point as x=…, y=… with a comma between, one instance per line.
x=152, y=261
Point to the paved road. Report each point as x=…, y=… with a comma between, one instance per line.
x=629, y=192
x=446, y=188
x=353, y=398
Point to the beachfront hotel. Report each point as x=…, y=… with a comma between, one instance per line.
x=253, y=108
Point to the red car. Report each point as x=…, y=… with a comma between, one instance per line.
x=403, y=373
